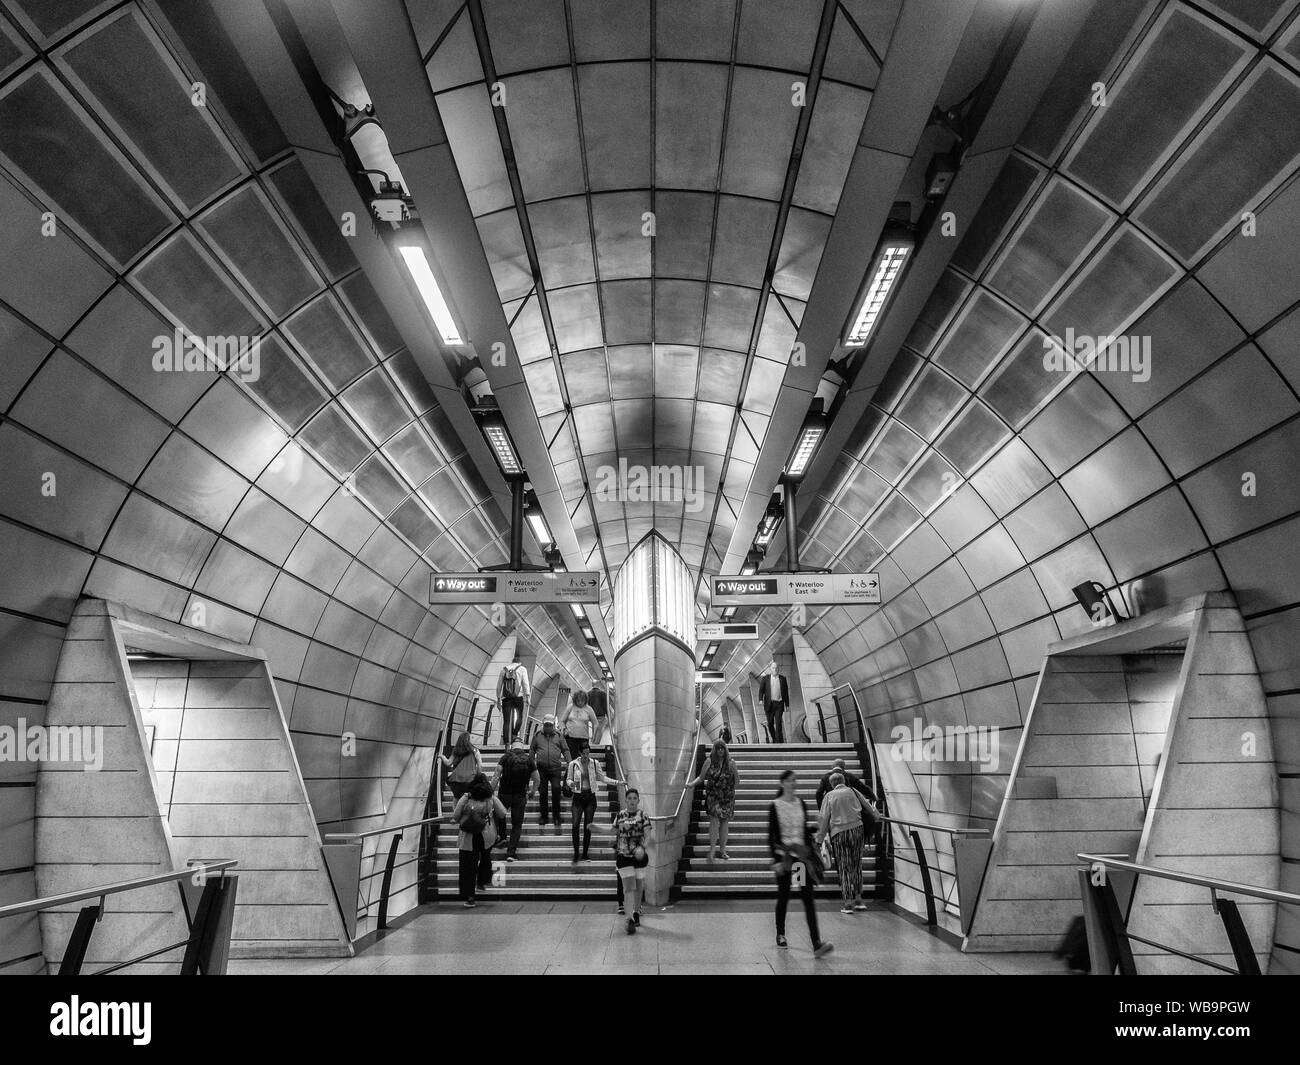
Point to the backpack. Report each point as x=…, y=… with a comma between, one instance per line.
x=509, y=683
x=474, y=815
x=515, y=773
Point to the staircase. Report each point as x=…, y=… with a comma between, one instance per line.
x=749, y=871
x=545, y=867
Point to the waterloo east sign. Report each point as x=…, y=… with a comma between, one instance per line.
x=514, y=586
x=786, y=589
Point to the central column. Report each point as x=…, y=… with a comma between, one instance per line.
x=654, y=675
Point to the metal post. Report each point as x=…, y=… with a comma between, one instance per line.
x=208, y=945
x=930, y=916
x=75, y=953
x=1242, y=951
x=387, y=883
x=791, y=534
x=516, y=523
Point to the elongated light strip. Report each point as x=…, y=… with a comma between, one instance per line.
x=892, y=256
x=505, y=452
x=422, y=275
x=538, y=523
x=809, y=438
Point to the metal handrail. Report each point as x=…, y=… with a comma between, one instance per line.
x=354, y=836
x=16, y=909
x=937, y=828
x=1214, y=884
x=695, y=747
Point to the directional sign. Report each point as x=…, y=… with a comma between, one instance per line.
x=709, y=676
x=785, y=589
x=727, y=630
x=511, y=586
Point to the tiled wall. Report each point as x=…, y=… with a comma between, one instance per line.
x=229, y=788
x=303, y=511
x=991, y=483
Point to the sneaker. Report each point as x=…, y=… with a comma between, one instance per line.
x=621, y=912
x=636, y=916
x=781, y=941
x=511, y=858
x=631, y=927
x=846, y=909
x=725, y=856
x=823, y=948
x=470, y=904
x=860, y=905
x=575, y=859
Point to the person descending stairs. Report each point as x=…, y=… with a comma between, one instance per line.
x=544, y=865
x=747, y=871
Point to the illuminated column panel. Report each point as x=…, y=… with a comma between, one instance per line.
x=654, y=674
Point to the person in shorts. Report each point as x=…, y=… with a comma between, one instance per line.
x=631, y=833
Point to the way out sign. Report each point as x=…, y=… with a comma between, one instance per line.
x=786, y=589
x=511, y=586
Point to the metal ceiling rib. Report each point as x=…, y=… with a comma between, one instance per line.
x=920, y=53
x=385, y=52
x=250, y=26
x=1050, y=36
x=829, y=11
x=1048, y=39
x=475, y=10
x=667, y=423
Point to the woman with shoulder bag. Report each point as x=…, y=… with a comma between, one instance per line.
x=841, y=822
x=789, y=837
x=475, y=813
x=464, y=765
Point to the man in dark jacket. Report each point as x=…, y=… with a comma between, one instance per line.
x=551, y=757
x=855, y=782
x=515, y=780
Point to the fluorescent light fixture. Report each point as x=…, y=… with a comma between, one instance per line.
x=748, y=570
x=537, y=522
x=427, y=285
x=805, y=447
x=498, y=438
x=811, y=434
x=588, y=631
x=578, y=612
x=771, y=521
x=729, y=613
x=882, y=279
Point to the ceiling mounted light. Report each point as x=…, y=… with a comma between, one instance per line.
x=753, y=560
x=537, y=520
x=503, y=448
x=729, y=613
x=578, y=612
x=805, y=447
x=892, y=254
x=417, y=263
x=771, y=521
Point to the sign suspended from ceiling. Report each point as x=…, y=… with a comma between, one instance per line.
x=787, y=589
x=726, y=630
x=510, y=586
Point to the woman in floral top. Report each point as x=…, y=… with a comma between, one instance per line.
x=721, y=778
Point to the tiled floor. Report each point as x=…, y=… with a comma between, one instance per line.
x=691, y=937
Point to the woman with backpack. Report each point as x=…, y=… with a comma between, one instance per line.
x=475, y=813
x=463, y=766
x=721, y=778
x=790, y=839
